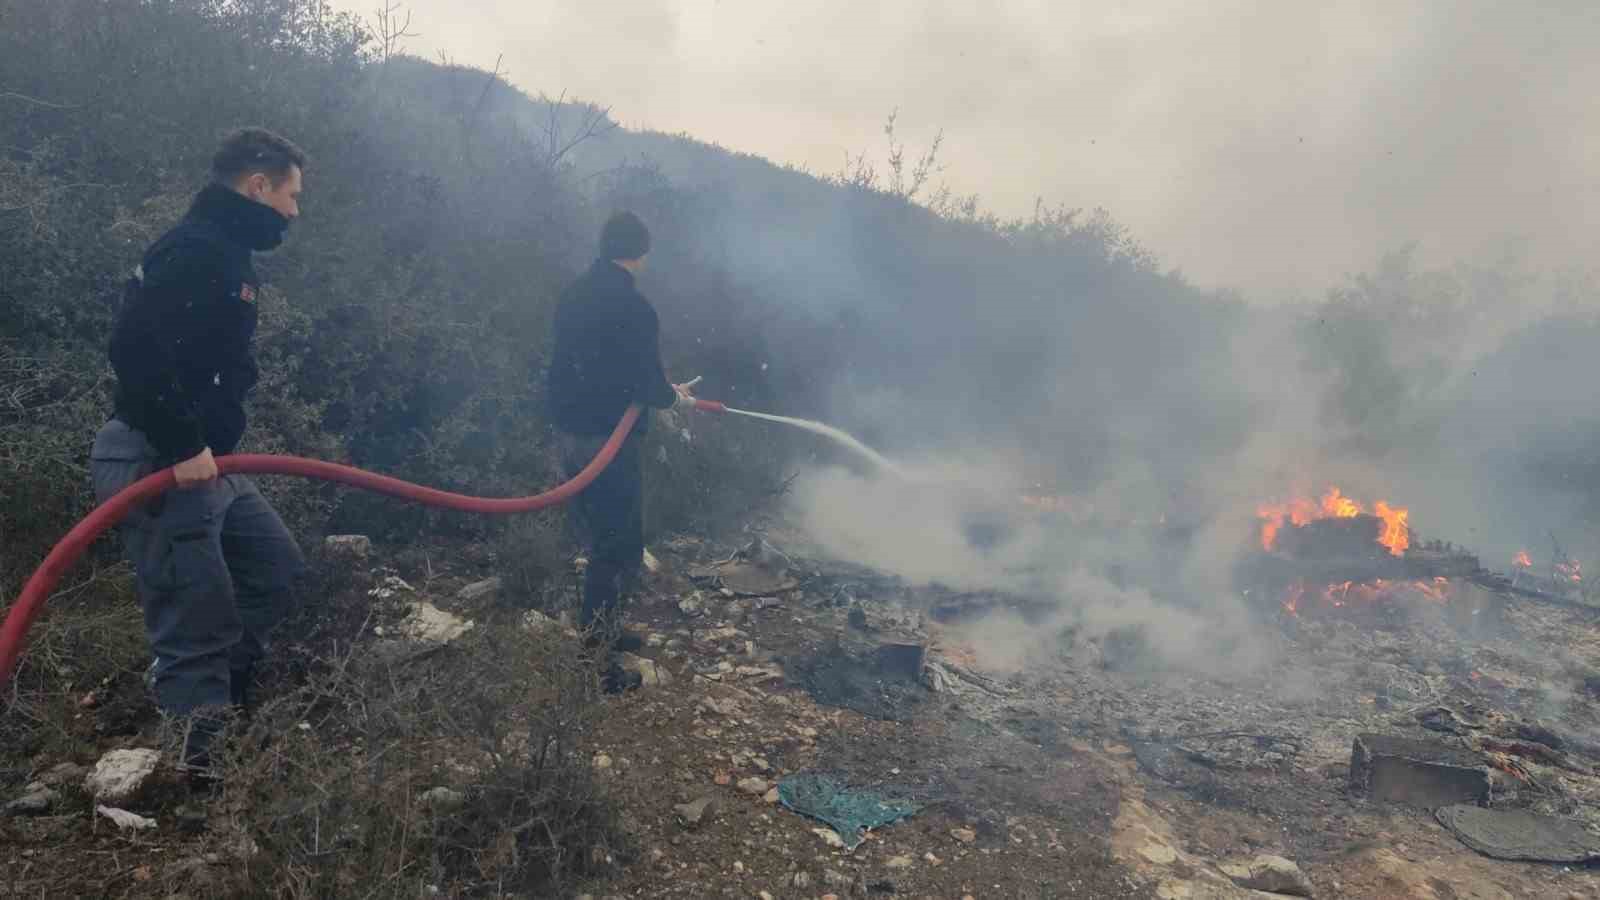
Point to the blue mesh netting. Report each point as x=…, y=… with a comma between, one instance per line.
x=849, y=811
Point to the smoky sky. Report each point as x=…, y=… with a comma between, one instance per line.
x=1268, y=146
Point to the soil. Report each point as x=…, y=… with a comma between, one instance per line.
x=1068, y=778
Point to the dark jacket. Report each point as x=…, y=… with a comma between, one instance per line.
x=607, y=354
x=182, y=344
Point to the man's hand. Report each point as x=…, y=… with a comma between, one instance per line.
x=685, y=400
x=197, y=470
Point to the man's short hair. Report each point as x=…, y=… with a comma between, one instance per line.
x=624, y=237
x=251, y=150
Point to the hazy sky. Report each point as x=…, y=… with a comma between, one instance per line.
x=1265, y=145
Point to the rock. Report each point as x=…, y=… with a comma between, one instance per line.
x=765, y=896
x=932, y=860
x=1158, y=853
x=389, y=587
x=351, y=546
x=829, y=837
x=692, y=815
x=125, y=820
x=650, y=674
x=1521, y=835
x=1417, y=773
x=692, y=605
x=837, y=880
x=430, y=624
x=479, y=590
x=937, y=679
x=602, y=761
x=651, y=564
x=121, y=774
x=755, y=787
x=36, y=798
x=771, y=796
x=964, y=835
x=443, y=800
x=63, y=774
x=536, y=621
x=1272, y=874
x=900, y=862
x=801, y=880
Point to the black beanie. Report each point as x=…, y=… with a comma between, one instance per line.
x=624, y=237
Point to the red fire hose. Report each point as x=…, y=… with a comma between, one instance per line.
x=14, y=631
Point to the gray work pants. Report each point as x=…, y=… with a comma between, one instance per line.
x=215, y=573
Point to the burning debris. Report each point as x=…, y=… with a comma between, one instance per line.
x=1387, y=525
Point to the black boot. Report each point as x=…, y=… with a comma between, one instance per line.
x=617, y=680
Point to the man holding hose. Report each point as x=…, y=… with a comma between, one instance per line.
x=214, y=563
x=607, y=356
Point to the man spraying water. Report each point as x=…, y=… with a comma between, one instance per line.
x=607, y=355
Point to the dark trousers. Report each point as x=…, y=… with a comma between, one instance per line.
x=215, y=570
x=609, y=519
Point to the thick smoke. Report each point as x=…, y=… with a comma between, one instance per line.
x=1055, y=356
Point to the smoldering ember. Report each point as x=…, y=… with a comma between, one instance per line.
x=420, y=477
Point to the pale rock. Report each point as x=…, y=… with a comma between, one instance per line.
x=479, y=590
x=389, y=587
x=651, y=564
x=443, y=800
x=537, y=622
x=1158, y=854
x=120, y=774
x=126, y=820
x=801, y=880
x=1269, y=873
x=771, y=797
x=650, y=674
x=692, y=605
x=829, y=837
x=62, y=774
x=765, y=896
x=37, y=797
x=693, y=815
x=602, y=761
x=964, y=835
x=435, y=626
x=900, y=862
x=755, y=787
x=353, y=546
x=932, y=860
x=738, y=867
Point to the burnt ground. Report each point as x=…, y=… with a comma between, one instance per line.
x=1074, y=775
x=1078, y=777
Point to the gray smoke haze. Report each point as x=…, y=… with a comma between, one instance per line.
x=1265, y=146
x=1270, y=148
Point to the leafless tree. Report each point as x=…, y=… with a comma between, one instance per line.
x=594, y=121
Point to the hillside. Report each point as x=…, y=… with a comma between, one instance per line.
x=404, y=329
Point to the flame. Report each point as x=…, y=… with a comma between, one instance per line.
x=1521, y=560
x=1337, y=506
x=1341, y=594
x=1395, y=534
x=1571, y=570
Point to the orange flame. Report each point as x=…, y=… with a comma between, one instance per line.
x=1521, y=560
x=1395, y=534
x=1570, y=570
